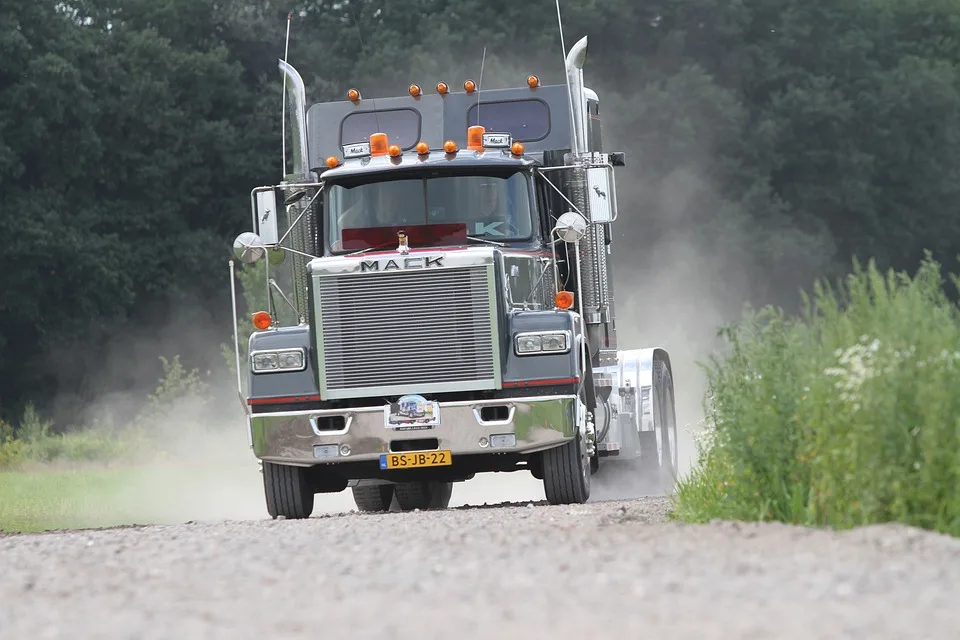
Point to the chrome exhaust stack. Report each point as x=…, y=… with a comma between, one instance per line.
x=297, y=104
x=302, y=228
x=596, y=289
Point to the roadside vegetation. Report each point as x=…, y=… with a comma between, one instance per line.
x=847, y=414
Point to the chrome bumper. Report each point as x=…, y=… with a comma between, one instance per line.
x=292, y=437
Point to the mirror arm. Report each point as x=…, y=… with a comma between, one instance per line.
x=547, y=180
x=305, y=209
x=274, y=284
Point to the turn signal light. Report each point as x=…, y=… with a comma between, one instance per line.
x=378, y=144
x=423, y=148
x=333, y=162
x=563, y=300
x=394, y=150
x=475, y=138
x=442, y=88
x=517, y=148
x=262, y=320
x=470, y=86
x=450, y=146
x=353, y=95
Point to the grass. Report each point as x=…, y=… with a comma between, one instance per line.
x=46, y=498
x=844, y=416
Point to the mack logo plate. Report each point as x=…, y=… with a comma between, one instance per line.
x=396, y=264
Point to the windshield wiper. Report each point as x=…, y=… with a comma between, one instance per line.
x=494, y=242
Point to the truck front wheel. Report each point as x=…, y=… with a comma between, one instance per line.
x=566, y=473
x=288, y=491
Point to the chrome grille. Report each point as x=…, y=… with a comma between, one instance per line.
x=407, y=332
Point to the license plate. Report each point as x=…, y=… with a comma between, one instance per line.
x=415, y=459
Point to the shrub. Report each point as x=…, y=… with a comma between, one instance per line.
x=846, y=415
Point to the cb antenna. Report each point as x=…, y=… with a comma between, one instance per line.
x=563, y=47
x=363, y=51
x=283, y=106
x=480, y=83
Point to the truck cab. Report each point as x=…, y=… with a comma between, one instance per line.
x=450, y=270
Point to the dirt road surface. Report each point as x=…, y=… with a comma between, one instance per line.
x=614, y=570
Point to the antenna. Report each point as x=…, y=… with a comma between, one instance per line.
x=283, y=116
x=563, y=47
x=480, y=82
x=363, y=50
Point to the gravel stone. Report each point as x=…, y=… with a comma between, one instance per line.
x=527, y=570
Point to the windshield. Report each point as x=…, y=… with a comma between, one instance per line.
x=432, y=210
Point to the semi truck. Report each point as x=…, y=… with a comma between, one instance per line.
x=447, y=258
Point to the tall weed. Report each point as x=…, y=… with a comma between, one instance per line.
x=846, y=415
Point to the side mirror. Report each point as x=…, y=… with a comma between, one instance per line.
x=266, y=215
x=570, y=227
x=602, y=193
x=248, y=247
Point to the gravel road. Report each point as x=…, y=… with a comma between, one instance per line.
x=608, y=569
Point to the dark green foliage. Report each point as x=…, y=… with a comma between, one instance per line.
x=777, y=138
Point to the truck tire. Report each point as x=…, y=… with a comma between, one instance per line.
x=373, y=497
x=423, y=495
x=669, y=458
x=566, y=473
x=287, y=491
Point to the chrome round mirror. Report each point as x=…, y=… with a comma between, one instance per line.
x=296, y=196
x=570, y=226
x=248, y=247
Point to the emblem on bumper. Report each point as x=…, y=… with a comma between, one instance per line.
x=412, y=413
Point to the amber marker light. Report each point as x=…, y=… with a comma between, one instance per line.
x=450, y=146
x=517, y=148
x=394, y=150
x=353, y=95
x=563, y=300
x=378, y=144
x=423, y=148
x=443, y=88
x=533, y=81
x=262, y=320
x=415, y=90
x=475, y=138
x=333, y=162
x=470, y=86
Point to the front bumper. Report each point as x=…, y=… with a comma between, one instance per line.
x=293, y=437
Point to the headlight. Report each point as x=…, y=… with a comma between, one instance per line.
x=280, y=360
x=542, y=342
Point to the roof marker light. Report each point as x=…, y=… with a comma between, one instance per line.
x=394, y=150
x=450, y=146
x=533, y=81
x=423, y=148
x=415, y=90
x=517, y=148
x=470, y=86
x=333, y=162
x=353, y=95
x=443, y=88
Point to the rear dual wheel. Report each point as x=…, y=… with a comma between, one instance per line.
x=659, y=454
x=409, y=495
